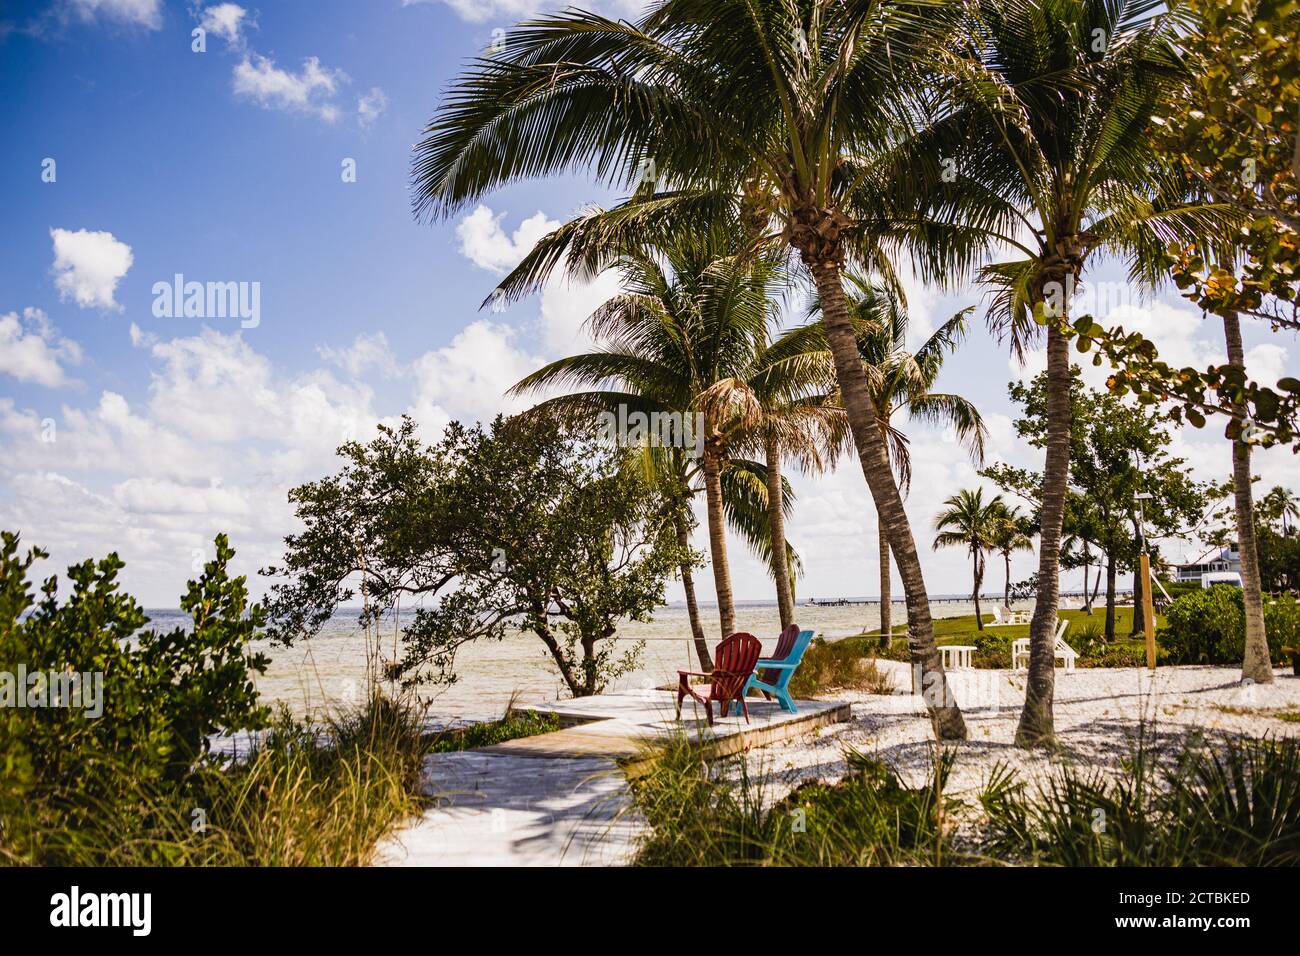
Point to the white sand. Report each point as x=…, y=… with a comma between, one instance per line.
x=1098, y=714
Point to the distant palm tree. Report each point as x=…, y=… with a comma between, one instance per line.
x=900, y=380
x=971, y=523
x=1011, y=533
x=1281, y=504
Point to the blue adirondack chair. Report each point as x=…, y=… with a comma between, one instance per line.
x=772, y=674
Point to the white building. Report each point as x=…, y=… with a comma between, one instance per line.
x=1215, y=561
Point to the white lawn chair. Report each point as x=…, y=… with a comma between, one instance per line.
x=1061, y=650
x=1008, y=618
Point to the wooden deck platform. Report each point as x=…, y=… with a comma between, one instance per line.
x=624, y=727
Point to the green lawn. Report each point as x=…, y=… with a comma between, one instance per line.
x=962, y=630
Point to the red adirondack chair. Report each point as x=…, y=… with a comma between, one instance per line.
x=734, y=661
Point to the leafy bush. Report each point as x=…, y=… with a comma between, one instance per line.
x=1126, y=654
x=838, y=665
x=1282, y=620
x=136, y=785
x=515, y=724
x=1088, y=637
x=1177, y=589
x=1208, y=626
x=160, y=694
x=1235, y=804
x=698, y=817
x=303, y=796
x=992, y=649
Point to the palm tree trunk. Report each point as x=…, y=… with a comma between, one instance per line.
x=1006, y=591
x=1110, y=598
x=718, y=539
x=886, y=597
x=1139, y=593
x=979, y=617
x=874, y=457
x=1087, y=601
x=776, y=518
x=1036, y=722
x=1256, y=665
x=692, y=605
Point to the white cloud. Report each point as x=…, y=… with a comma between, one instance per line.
x=314, y=89
x=142, y=339
x=215, y=388
x=154, y=496
x=468, y=379
x=31, y=349
x=371, y=106
x=366, y=353
x=1266, y=363
x=223, y=436
x=226, y=20
x=311, y=90
x=88, y=265
x=24, y=424
x=480, y=11
x=565, y=304
x=224, y=433
x=485, y=243
x=145, y=13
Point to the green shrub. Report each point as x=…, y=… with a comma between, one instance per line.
x=1125, y=654
x=1234, y=804
x=848, y=664
x=303, y=796
x=159, y=694
x=136, y=785
x=698, y=816
x=1177, y=589
x=515, y=724
x=1282, y=621
x=992, y=648
x=1208, y=626
x=1087, y=636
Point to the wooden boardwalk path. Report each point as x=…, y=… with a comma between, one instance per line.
x=562, y=798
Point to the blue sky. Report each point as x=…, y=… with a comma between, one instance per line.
x=123, y=430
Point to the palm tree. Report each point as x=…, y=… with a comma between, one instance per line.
x=1257, y=663
x=1041, y=133
x=970, y=522
x=701, y=102
x=684, y=339
x=902, y=381
x=1011, y=533
x=799, y=419
x=1281, y=504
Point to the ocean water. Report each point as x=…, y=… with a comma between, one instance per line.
x=329, y=670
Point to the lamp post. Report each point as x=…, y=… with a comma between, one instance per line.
x=1148, y=609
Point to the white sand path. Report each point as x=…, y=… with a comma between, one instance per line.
x=1099, y=713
